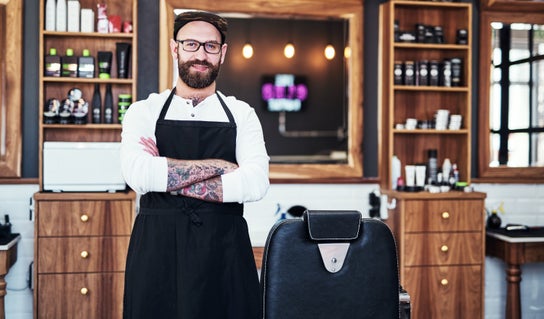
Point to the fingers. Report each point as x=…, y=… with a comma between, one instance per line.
x=149, y=146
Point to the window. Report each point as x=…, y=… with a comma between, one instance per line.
x=517, y=95
x=511, y=96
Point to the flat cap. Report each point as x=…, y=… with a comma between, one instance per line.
x=218, y=22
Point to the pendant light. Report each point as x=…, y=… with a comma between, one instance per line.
x=329, y=49
x=247, y=50
x=289, y=49
x=329, y=52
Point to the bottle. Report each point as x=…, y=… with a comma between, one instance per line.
x=432, y=166
x=446, y=169
x=85, y=65
x=108, y=105
x=395, y=171
x=69, y=64
x=493, y=220
x=50, y=14
x=61, y=15
x=72, y=17
x=122, y=106
x=52, y=63
x=96, y=105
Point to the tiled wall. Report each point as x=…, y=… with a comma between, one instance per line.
x=522, y=204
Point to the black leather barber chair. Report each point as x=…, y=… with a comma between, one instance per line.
x=331, y=265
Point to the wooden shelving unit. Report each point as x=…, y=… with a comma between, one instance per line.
x=399, y=101
x=81, y=239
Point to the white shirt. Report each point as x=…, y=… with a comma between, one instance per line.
x=146, y=173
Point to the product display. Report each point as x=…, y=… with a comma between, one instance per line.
x=52, y=63
x=102, y=18
x=60, y=17
x=50, y=14
x=104, y=64
x=96, y=105
x=73, y=12
x=51, y=111
x=456, y=72
x=85, y=65
x=123, y=59
x=108, y=105
x=69, y=64
x=122, y=106
x=87, y=20
x=422, y=72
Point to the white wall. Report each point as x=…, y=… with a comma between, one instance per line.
x=522, y=203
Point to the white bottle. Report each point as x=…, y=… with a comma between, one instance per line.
x=446, y=169
x=73, y=10
x=61, y=15
x=395, y=171
x=50, y=13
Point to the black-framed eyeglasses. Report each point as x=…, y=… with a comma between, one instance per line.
x=210, y=47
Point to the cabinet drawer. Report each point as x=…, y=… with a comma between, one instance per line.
x=82, y=254
x=84, y=218
x=444, y=215
x=444, y=292
x=443, y=249
x=63, y=296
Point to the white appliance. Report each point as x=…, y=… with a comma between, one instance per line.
x=82, y=167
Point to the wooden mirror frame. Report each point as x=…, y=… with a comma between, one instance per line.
x=352, y=10
x=10, y=88
x=487, y=173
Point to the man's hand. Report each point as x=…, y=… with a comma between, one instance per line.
x=149, y=146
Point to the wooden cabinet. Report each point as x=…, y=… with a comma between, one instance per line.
x=436, y=48
x=58, y=87
x=441, y=248
x=80, y=252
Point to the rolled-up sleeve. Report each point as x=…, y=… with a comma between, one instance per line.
x=142, y=172
x=250, y=181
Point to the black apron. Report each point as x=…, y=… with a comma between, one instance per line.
x=187, y=258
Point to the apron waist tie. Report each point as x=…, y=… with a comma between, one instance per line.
x=191, y=211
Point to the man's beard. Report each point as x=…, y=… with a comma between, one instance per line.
x=198, y=80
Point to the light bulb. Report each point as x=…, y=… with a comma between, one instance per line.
x=247, y=51
x=289, y=50
x=347, y=52
x=329, y=52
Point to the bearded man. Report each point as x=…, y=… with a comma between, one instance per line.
x=194, y=156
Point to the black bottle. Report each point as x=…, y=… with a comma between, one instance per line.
x=96, y=105
x=108, y=105
x=69, y=64
x=52, y=63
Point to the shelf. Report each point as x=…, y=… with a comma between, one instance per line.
x=87, y=80
x=420, y=88
x=117, y=35
x=430, y=46
x=83, y=126
x=430, y=131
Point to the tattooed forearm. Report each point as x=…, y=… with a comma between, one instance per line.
x=183, y=173
x=210, y=190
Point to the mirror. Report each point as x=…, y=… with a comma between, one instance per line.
x=511, y=116
x=11, y=15
x=351, y=11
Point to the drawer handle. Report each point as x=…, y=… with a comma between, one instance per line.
x=84, y=291
x=444, y=282
x=84, y=218
x=444, y=248
x=84, y=254
x=445, y=215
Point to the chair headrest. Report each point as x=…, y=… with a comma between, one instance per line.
x=335, y=225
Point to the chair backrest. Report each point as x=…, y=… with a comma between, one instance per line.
x=330, y=264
